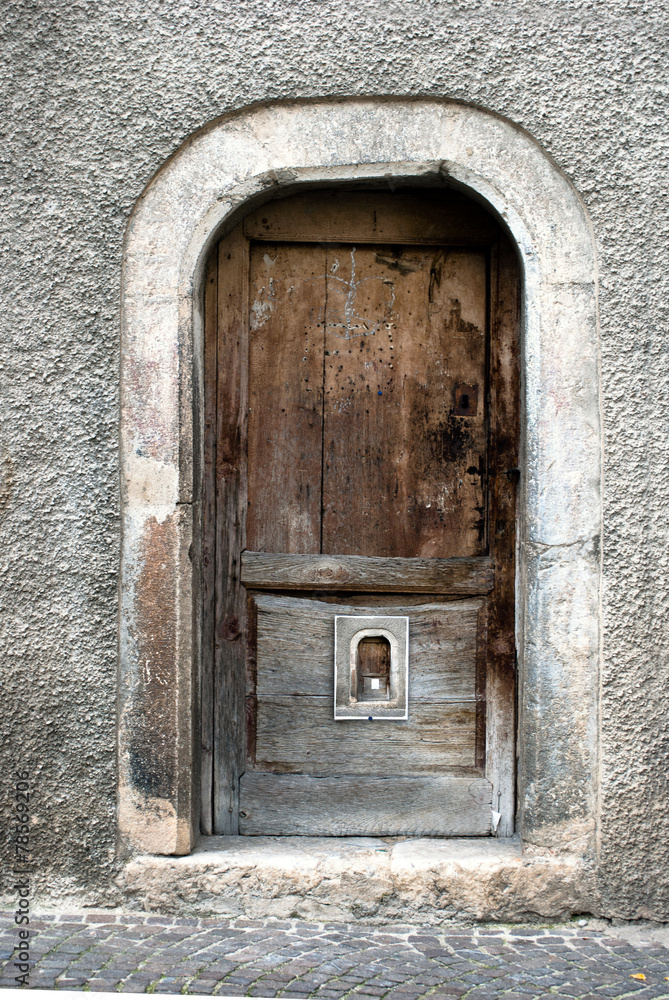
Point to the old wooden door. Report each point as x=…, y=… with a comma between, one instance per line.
x=361, y=432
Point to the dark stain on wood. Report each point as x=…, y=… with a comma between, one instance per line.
x=451, y=439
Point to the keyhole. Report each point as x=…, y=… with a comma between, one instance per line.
x=466, y=400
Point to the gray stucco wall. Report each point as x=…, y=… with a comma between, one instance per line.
x=98, y=95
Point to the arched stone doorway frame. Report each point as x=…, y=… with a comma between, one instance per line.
x=202, y=189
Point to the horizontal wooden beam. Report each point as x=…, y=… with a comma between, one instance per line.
x=277, y=571
x=428, y=217
x=297, y=804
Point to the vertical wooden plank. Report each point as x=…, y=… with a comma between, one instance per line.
x=403, y=472
x=209, y=541
x=481, y=678
x=362, y=417
x=287, y=293
x=251, y=677
x=455, y=352
x=231, y=491
x=503, y=478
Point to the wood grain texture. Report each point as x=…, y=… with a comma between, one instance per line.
x=230, y=626
x=299, y=734
x=287, y=293
x=295, y=647
x=503, y=475
x=297, y=804
x=209, y=543
x=402, y=474
x=428, y=217
x=282, y=571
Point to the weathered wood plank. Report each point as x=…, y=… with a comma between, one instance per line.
x=403, y=468
x=297, y=804
x=503, y=450
x=230, y=629
x=280, y=571
x=365, y=506
x=209, y=543
x=373, y=217
x=287, y=292
x=295, y=647
x=299, y=734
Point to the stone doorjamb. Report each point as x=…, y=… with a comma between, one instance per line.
x=198, y=193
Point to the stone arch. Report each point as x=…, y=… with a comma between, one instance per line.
x=197, y=192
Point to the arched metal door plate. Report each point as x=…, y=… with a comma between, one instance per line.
x=371, y=675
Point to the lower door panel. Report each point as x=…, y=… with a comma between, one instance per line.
x=308, y=773
x=357, y=805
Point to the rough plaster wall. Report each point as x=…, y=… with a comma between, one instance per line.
x=98, y=95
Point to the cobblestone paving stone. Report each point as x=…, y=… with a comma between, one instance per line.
x=134, y=952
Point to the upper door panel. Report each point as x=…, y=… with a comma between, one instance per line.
x=367, y=394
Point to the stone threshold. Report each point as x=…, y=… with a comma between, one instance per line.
x=362, y=879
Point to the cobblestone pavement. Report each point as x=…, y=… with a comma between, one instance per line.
x=134, y=952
